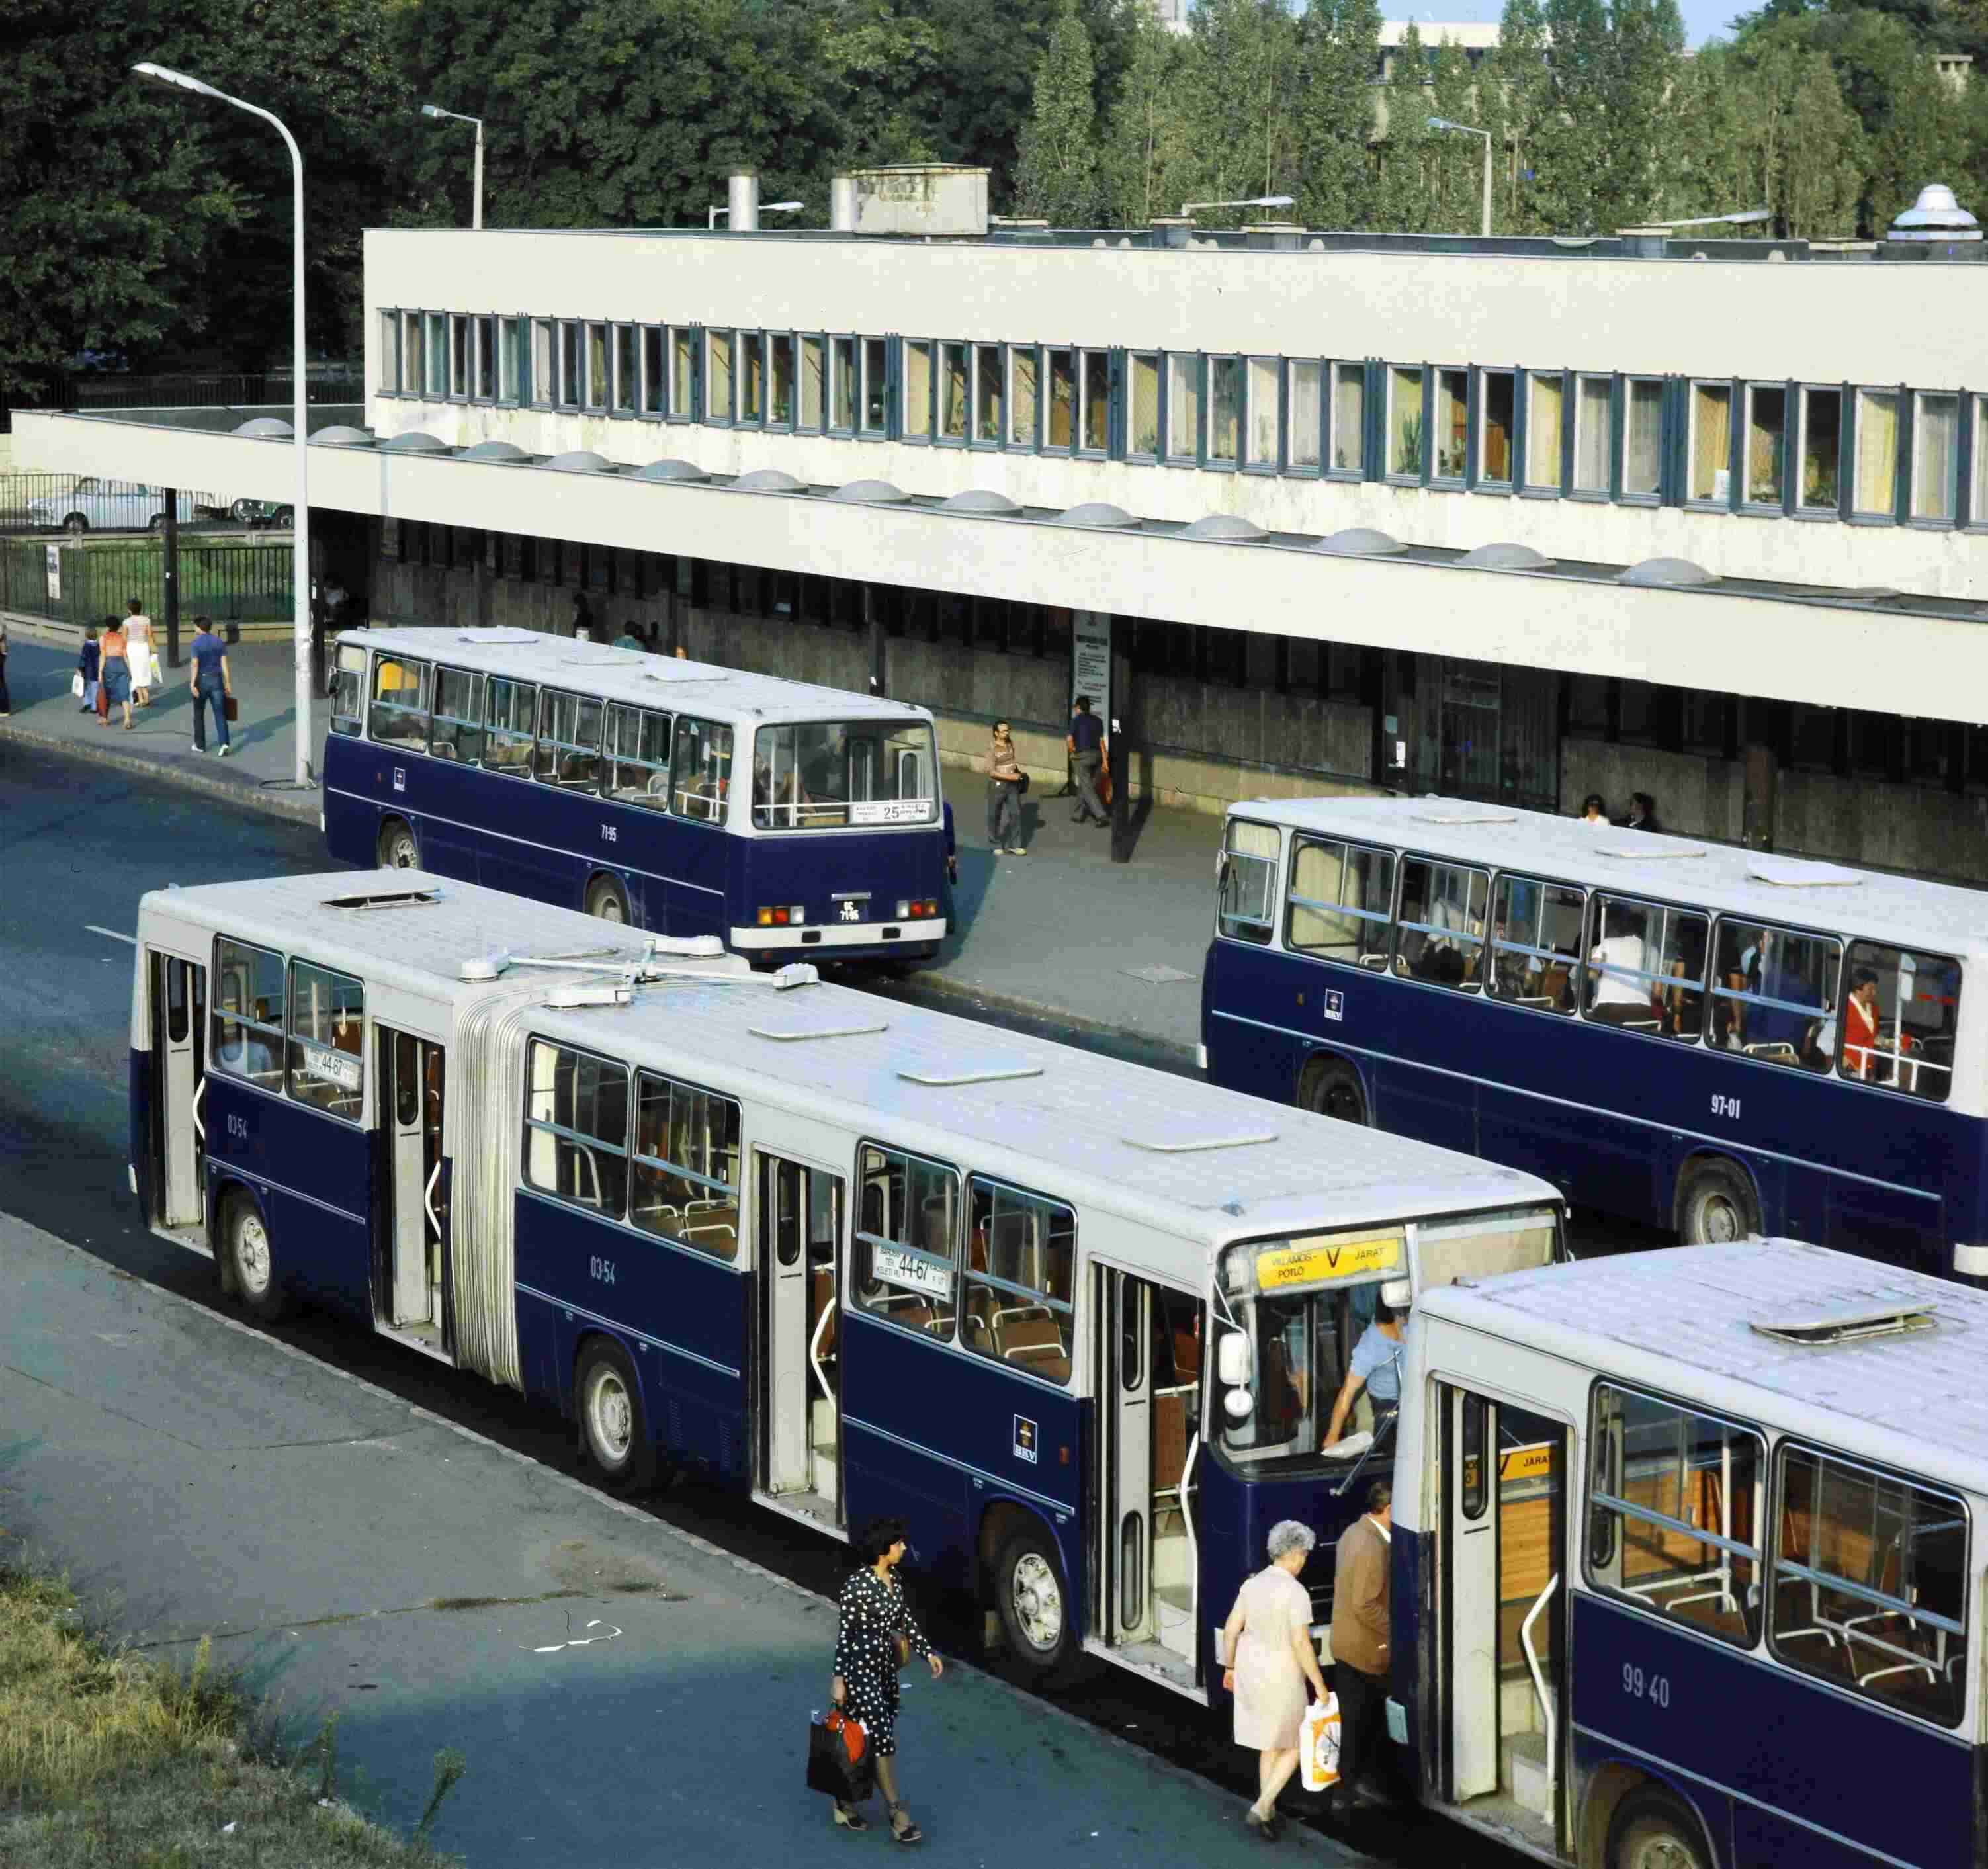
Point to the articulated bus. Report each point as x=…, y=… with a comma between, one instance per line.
x=1684, y=1568
x=601, y=779
x=1691, y=1035
x=856, y=1257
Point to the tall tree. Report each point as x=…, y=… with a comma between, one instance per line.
x=1339, y=59
x=1643, y=59
x=1521, y=91
x=1242, y=68
x=886, y=61
x=1055, y=177
x=1148, y=158
x=1570, y=141
x=1401, y=200
x=1455, y=164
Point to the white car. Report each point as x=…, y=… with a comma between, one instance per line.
x=106, y=505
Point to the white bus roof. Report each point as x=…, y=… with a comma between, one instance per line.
x=1686, y=1321
x=1202, y=1165
x=1870, y=902
x=634, y=676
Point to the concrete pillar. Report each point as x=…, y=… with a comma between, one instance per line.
x=1122, y=734
x=1757, y=811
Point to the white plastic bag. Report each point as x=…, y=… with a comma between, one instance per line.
x=1318, y=1745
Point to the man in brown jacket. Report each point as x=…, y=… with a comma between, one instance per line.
x=1359, y=1652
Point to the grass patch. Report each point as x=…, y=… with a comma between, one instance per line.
x=108, y=1758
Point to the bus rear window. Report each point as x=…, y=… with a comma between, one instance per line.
x=1898, y=1018
x=825, y=774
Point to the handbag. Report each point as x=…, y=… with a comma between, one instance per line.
x=840, y=1764
x=1022, y=787
x=75, y=684
x=1318, y=1744
x=229, y=710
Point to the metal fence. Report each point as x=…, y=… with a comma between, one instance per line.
x=37, y=502
x=232, y=582
x=343, y=382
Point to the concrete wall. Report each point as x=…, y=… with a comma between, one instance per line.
x=1696, y=795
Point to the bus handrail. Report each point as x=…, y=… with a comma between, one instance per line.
x=427, y=1197
x=192, y=1110
x=1539, y=1679
x=814, y=1352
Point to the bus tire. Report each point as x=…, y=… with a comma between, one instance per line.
x=606, y=899
x=1652, y=1830
x=1332, y=1087
x=1715, y=1204
x=253, y=1269
x=612, y=1428
x=398, y=847
x=1033, y=1601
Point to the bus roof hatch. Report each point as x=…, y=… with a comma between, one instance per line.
x=1851, y=1324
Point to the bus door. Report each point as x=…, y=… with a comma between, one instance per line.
x=1501, y=1613
x=1145, y=1556
x=410, y=1284
x=179, y=1071
x=799, y=1265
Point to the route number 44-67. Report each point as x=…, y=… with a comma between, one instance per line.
x=1725, y=1106
x=1654, y=1688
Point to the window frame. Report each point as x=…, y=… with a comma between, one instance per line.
x=1273, y=895
x=579, y=1137
x=1031, y=443
x=514, y=330
x=1255, y=365
x=976, y=418
x=392, y=352
x=1599, y=897
x=485, y=357
x=926, y=434
x=648, y=799
x=624, y=388
x=1291, y=901
x=477, y=678
x=1338, y=371
x=520, y=770
x=657, y=380
x=771, y=420
x=1197, y=366
x=545, y=745
x=683, y=354
x=1288, y=464
x=1433, y=394
x=435, y=383
x=1717, y=992
x=1396, y=377
x=597, y=397
x=711, y=339
x=381, y=658
x=1090, y=358
x=1005, y=1287
x=877, y=372
x=1974, y=453
x=1432, y=930
x=1577, y=970
x=945, y=351
x=1934, y=522
x=857, y=1235
x=548, y=329
x=1626, y=386
x=1851, y=943
x=1480, y=480
x=1556, y=489
x=831, y=382
x=277, y=1035
x=462, y=340
x=1139, y=456
x=356, y=1117
x=1046, y=384
x=802, y=340
x=1750, y=388
x=738, y=1257
x=1611, y=442
x=1213, y=363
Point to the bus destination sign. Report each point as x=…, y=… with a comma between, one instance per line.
x=1316, y=1260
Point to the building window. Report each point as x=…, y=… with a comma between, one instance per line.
x=683, y=373
x=600, y=386
x=1935, y=456
x=1349, y=418
x=486, y=359
x=1062, y=427
x=843, y=387
x=814, y=362
x=1224, y=409
x=780, y=379
x=654, y=386
x=1305, y=386
x=1404, y=422
x=1877, y=490
x=954, y=391
x=514, y=381
x=918, y=389
x=752, y=367
x=572, y=361
x=627, y=370
x=1263, y=438
x=1821, y=445
x=545, y=386
x=1183, y=406
x=717, y=376
x=1494, y=428
x=1642, y=437
x=990, y=380
x=1711, y=450
x=390, y=353
x=1452, y=424
x=1024, y=366
x=1766, y=443
x=1546, y=398
x=1593, y=400
x=1097, y=367
x=877, y=390
x=1142, y=412
x=460, y=364
x=438, y=356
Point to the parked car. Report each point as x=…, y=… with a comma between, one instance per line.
x=279, y=514
x=106, y=505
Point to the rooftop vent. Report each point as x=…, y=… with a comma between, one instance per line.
x=1097, y=516
x=580, y=460
x=1852, y=1323
x=1647, y=848
x=671, y=470
x=1505, y=556
x=1667, y=574
x=415, y=442
x=1935, y=218
x=342, y=435
x=913, y=197
x=791, y=1031
x=1225, y=529
x=766, y=480
x=1359, y=542
x=1438, y=813
x=494, y=451
x=1186, y=1140
x=982, y=501
x=870, y=493
x=988, y=1070
x=266, y=428
x=1789, y=873
x=399, y=898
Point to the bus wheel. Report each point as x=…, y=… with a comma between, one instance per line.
x=1651, y=1831
x=1033, y=1603
x=1334, y=1088
x=1714, y=1203
x=611, y=1418
x=606, y=898
x=397, y=848
x=252, y=1261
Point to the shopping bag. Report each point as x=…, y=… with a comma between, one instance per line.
x=75, y=684
x=1104, y=786
x=840, y=1763
x=1318, y=1745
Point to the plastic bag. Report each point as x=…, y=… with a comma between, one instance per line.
x=1318, y=1745
x=76, y=686
x=840, y=1764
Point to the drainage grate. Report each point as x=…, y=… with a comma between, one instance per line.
x=1157, y=976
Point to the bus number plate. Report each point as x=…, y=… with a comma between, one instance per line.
x=1722, y=1105
x=603, y=1269
x=1654, y=1688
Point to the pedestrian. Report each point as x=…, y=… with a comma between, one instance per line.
x=878, y=1636
x=1642, y=812
x=1359, y=1653
x=1375, y=1366
x=582, y=618
x=86, y=665
x=1593, y=810
x=1005, y=785
x=629, y=639
x=116, y=675
x=207, y=660
x=952, y=845
x=138, y=652
x=6, y=700
x=1267, y=1642
x=1086, y=744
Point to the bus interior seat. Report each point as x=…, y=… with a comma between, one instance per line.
x=1033, y=1341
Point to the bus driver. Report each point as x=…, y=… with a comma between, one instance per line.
x=1376, y=1366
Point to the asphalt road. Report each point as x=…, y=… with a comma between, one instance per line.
x=78, y=844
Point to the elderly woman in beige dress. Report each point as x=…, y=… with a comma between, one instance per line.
x=1269, y=1658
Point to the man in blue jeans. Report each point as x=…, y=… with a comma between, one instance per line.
x=210, y=683
x=1086, y=751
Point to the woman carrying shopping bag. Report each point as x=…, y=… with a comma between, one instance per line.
x=1267, y=1642
x=878, y=1636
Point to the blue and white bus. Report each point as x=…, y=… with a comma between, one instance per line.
x=1687, y=1034
x=854, y=1256
x=601, y=779
x=1685, y=1569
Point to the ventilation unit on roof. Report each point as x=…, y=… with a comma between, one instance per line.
x=399, y=898
x=1187, y=1141
x=988, y=1070
x=1463, y=814
x=794, y=1031
x=1784, y=872
x=1652, y=847
x=1852, y=1324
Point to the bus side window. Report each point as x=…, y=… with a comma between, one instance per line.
x=509, y=708
x=1020, y=1263
x=1439, y=930
x=327, y=1049
x=638, y=758
x=1249, y=882
x=907, y=1263
x=686, y=1175
x=348, y=689
x=458, y=731
x=568, y=753
x=1536, y=943
x=400, y=702
x=248, y=1035
x=1646, y=968
x=1774, y=994
x=700, y=769
x=1899, y=1015
x=576, y=1142
x=1342, y=897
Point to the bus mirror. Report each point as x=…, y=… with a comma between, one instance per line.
x=1397, y=1294
x=1237, y=1404
x=1231, y=1361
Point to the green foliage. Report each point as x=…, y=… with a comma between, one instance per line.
x=1339, y=51
x=1242, y=101
x=1147, y=163
x=1055, y=177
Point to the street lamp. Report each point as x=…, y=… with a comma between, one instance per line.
x=456, y=117
x=1464, y=130
x=766, y=207
x=1254, y=201
x=300, y=566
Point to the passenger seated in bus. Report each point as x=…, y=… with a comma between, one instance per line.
x=1621, y=994
x=1861, y=1056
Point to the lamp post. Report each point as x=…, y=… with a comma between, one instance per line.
x=300, y=564
x=766, y=207
x=1464, y=130
x=1254, y=201
x=456, y=117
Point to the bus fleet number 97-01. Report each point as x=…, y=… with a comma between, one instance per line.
x=601, y=1268
x=1654, y=1688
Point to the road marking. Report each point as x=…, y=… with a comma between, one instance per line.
x=111, y=934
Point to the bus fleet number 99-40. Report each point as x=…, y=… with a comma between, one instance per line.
x=1654, y=1688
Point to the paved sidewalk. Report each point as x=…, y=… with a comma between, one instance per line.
x=624, y=1693
x=1057, y=934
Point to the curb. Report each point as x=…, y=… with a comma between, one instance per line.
x=299, y=808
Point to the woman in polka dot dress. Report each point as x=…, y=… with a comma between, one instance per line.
x=874, y=1616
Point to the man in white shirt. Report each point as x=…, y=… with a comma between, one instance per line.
x=1621, y=994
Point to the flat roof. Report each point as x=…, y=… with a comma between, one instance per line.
x=1203, y=1164
x=1870, y=902
x=1681, y=1319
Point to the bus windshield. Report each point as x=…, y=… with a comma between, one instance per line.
x=825, y=774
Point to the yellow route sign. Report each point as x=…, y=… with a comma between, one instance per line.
x=1526, y=1463
x=1314, y=1261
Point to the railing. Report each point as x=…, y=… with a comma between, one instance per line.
x=1539, y=1687
x=342, y=382
x=232, y=582
x=43, y=502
